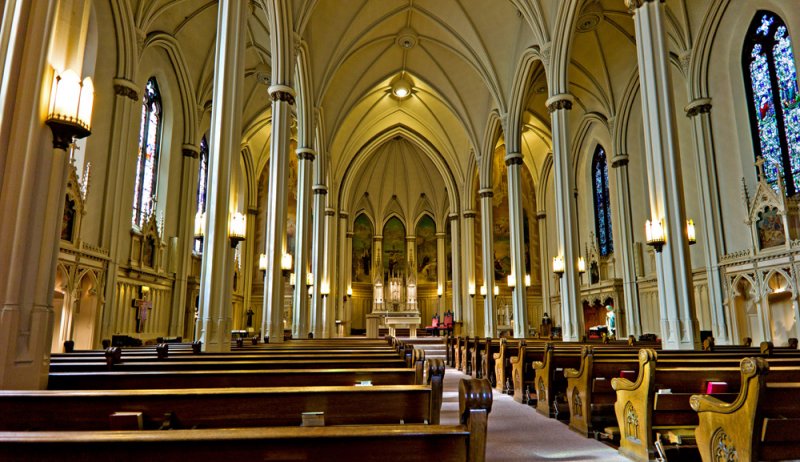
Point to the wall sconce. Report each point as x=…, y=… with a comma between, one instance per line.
x=483, y=290
x=292, y=280
x=70, y=113
x=527, y=280
x=200, y=226
x=309, y=279
x=511, y=281
x=471, y=289
x=654, y=234
x=581, y=265
x=324, y=289
x=262, y=264
x=237, y=228
x=145, y=291
x=439, y=291
x=349, y=291
x=558, y=265
x=691, y=233
x=496, y=291
x=286, y=263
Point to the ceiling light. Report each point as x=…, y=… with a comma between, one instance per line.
x=401, y=87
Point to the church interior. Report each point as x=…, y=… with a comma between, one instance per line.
x=510, y=183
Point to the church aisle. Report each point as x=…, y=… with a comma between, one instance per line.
x=519, y=433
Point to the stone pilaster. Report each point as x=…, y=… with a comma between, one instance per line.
x=624, y=245
x=487, y=236
x=517, y=240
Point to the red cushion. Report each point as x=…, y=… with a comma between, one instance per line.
x=716, y=387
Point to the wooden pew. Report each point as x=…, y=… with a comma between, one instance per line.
x=225, y=407
x=380, y=443
x=550, y=380
x=166, y=365
x=760, y=424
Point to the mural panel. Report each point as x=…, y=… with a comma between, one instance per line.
x=291, y=216
x=770, y=229
x=362, y=249
x=502, y=244
x=426, y=250
x=448, y=249
x=394, y=248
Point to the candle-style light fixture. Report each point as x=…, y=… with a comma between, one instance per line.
x=527, y=280
x=309, y=279
x=349, y=291
x=558, y=265
x=511, y=281
x=200, y=226
x=581, y=265
x=237, y=228
x=262, y=263
x=69, y=114
x=483, y=290
x=292, y=280
x=496, y=291
x=654, y=234
x=691, y=233
x=324, y=289
x=439, y=292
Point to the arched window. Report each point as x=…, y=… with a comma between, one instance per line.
x=144, y=194
x=602, y=208
x=202, y=186
x=771, y=84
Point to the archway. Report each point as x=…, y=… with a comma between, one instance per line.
x=84, y=315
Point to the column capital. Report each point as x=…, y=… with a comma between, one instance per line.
x=486, y=192
x=252, y=211
x=470, y=213
x=329, y=212
x=558, y=102
x=698, y=106
x=190, y=150
x=541, y=214
x=635, y=4
x=349, y=234
x=440, y=235
x=513, y=158
x=126, y=88
x=320, y=189
x=282, y=93
x=620, y=160
x=411, y=237
x=343, y=214
x=452, y=216
x=377, y=237
x=306, y=154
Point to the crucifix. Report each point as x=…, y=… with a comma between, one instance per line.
x=142, y=306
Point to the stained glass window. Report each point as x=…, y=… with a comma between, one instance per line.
x=202, y=185
x=602, y=207
x=771, y=84
x=144, y=194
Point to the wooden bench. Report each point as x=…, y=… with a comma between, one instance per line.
x=380, y=443
x=760, y=424
x=225, y=407
x=166, y=365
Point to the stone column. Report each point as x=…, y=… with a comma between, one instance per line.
x=546, y=267
x=441, y=273
x=711, y=225
x=468, y=313
x=487, y=236
x=517, y=240
x=411, y=273
x=226, y=114
x=318, y=256
x=455, y=256
x=344, y=270
x=378, y=290
x=673, y=264
x=329, y=249
x=566, y=221
x=624, y=245
x=300, y=315
x=185, y=237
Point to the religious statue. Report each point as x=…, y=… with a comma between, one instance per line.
x=250, y=314
x=547, y=324
x=611, y=321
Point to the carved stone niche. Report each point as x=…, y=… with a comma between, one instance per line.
x=599, y=268
x=73, y=209
x=148, y=250
x=774, y=219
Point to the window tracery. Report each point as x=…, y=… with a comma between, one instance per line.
x=602, y=205
x=144, y=196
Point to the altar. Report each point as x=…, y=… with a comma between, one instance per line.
x=404, y=320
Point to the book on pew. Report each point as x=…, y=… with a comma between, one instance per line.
x=313, y=419
x=626, y=374
x=125, y=421
x=716, y=387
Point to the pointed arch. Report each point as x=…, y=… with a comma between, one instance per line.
x=149, y=152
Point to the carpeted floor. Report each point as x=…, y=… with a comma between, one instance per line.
x=518, y=433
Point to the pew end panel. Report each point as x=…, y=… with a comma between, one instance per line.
x=634, y=409
x=579, y=393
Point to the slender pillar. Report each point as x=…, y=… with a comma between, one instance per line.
x=455, y=256
x=215, y=278
x=300, y=325
x=441, y=273
x=347, y=312
x=566, y=218
x=468, y=314
x=318, y=257
x=185, y=237
x=713, y=245
x=378, y=289
x=329, y=251
x=411, y=273
x=487, y=235
x=516, y=234
x=673, y=264
x=545, y=266
x=344, y=272
x=624, y=245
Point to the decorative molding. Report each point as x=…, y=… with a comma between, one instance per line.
x=282, y=93
x=620, y=160
x=563, y=101
x=633, y=5
x=252, y=211
x=306, y=153
x=513, y=158
x=190, y=150
x=486, y=193
x=329, y=212
x=541, y=214
x=124, y=87
x=320, y=189
x=470, y=214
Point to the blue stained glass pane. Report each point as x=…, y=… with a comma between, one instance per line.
x=765, y=114
x=790, y=98
x=601, y=202
x=147, y=159
x=202, y=179
x=766, y=23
